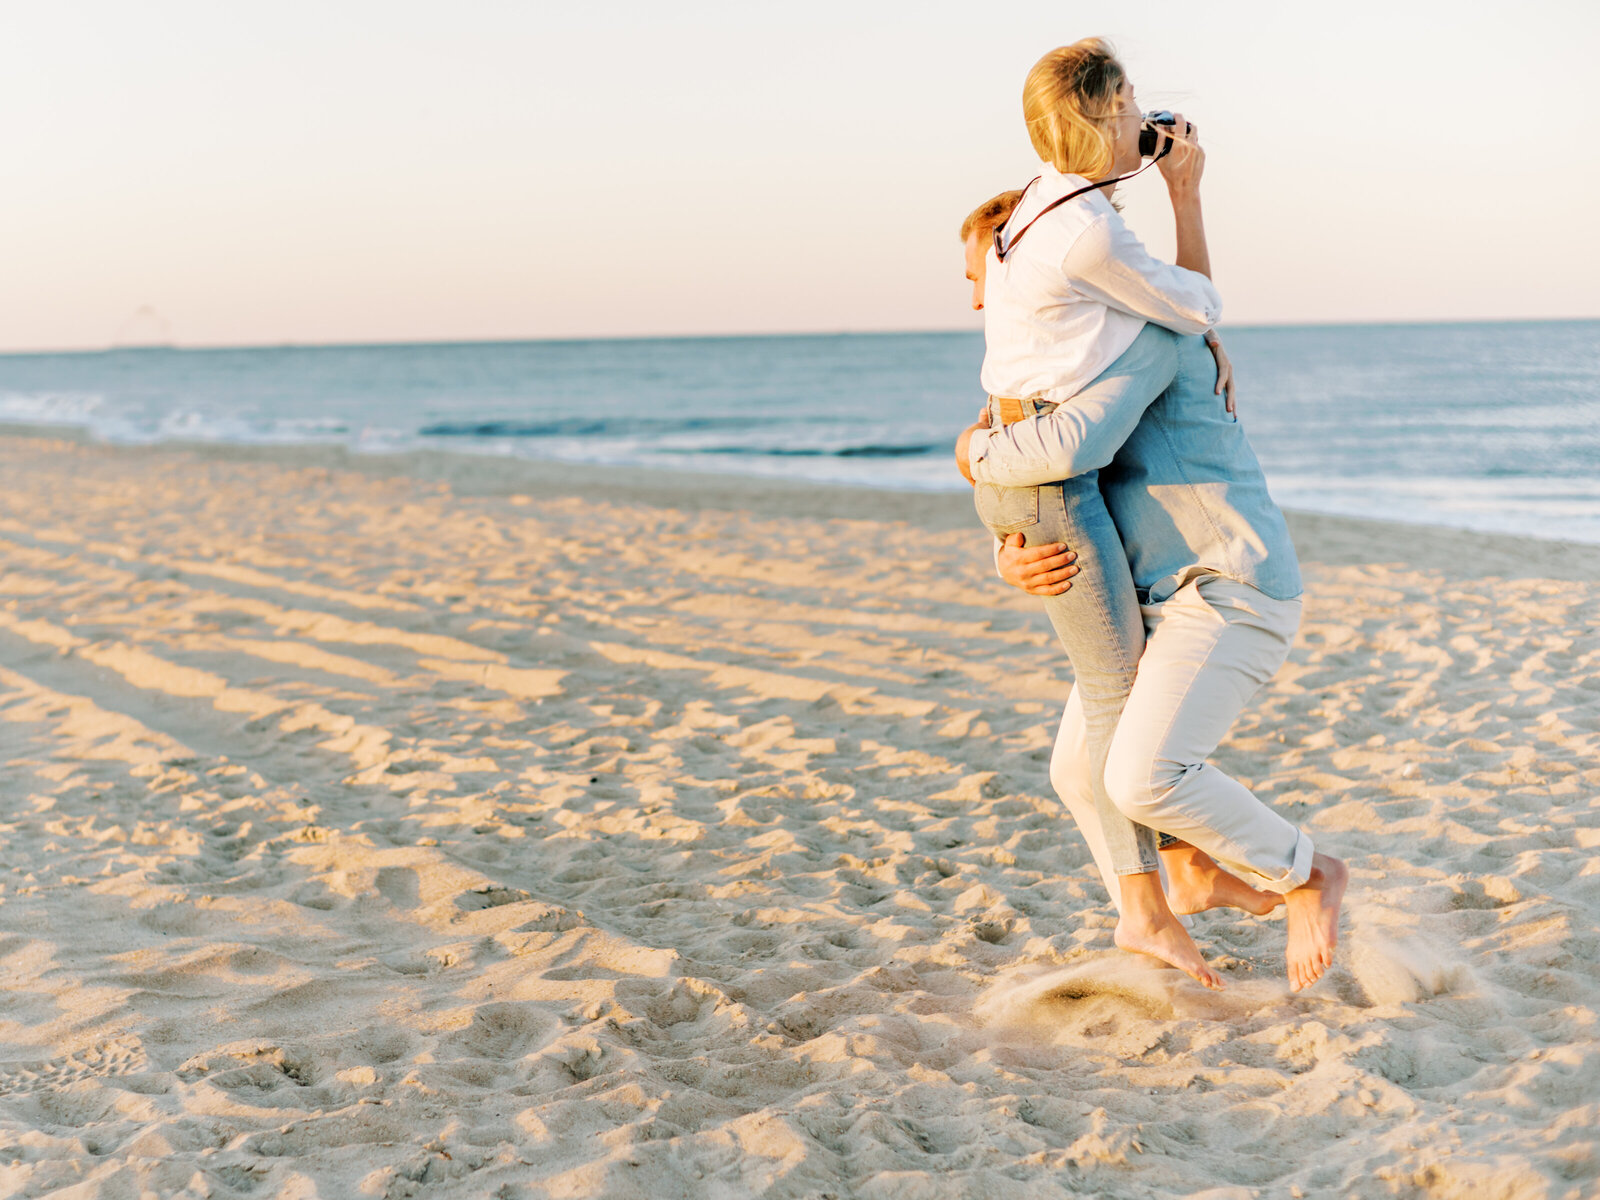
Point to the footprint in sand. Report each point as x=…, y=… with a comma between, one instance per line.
x=120, y=1056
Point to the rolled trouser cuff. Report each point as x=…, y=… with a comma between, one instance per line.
x=1297, y=874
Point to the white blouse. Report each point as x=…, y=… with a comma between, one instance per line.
x=1073, y=294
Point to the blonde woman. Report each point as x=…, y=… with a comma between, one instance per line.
x=1095, y=367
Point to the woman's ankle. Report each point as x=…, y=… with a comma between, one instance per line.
x=1143, y=897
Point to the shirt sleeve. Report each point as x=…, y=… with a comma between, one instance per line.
x=1109, y=264
x=1082, y=435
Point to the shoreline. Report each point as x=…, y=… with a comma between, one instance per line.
x=1342, y=540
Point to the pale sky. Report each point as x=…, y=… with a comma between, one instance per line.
x=357, y=171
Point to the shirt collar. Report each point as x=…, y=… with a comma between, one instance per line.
x=1056, y=181
x=1052, y=185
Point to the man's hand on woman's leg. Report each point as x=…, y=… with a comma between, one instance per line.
x=1045, y=570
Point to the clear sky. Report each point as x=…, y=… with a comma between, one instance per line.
x=349, y=170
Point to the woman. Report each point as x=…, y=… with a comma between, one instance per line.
x=1070, y=300
x=1078, y=314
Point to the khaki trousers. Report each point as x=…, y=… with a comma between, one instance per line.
x=1208, y=649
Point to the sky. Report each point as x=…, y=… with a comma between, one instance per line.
x=349, y=171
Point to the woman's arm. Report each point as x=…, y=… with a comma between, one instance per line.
x=1109, y=263
x=1182, y=168
x=1225, y=382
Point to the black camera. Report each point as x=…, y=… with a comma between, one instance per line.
x=1148, y=133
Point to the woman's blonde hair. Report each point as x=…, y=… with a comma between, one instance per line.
x=1068, y=100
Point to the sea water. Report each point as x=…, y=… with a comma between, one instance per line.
x=1488, y=426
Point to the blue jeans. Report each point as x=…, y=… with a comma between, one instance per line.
x=1098, y=620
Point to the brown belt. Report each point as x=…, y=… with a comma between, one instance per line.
x=1012, y=410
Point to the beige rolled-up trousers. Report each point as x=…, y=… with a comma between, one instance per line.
x=1209, y=647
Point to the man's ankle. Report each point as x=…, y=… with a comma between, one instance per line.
x=1182, y=854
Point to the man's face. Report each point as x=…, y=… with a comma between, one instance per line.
x=976, y=248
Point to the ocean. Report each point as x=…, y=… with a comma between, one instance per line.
x=1486, y=426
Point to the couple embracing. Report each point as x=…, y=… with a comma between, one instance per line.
x=1110, y=467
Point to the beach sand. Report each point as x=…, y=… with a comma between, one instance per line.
x=445, y=827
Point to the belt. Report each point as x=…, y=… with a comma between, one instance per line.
x=1010, y=410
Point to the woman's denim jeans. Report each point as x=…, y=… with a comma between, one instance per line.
x=1097, y=620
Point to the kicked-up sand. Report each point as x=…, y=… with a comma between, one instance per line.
x=464, y=828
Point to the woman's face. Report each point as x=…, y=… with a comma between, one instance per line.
x=1124, y=131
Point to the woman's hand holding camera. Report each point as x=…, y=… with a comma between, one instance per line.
x=1183, y=166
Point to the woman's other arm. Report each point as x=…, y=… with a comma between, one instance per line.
x=1225, y=381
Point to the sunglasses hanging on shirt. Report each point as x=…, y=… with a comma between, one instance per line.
x=1148, y=136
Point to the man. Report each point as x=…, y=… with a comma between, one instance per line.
x=1217, y=629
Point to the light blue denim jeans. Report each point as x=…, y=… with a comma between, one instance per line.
x=1098, y=620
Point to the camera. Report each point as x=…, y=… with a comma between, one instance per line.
x=1148, y=133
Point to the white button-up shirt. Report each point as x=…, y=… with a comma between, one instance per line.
x=1072, y=296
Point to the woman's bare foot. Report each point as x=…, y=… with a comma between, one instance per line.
x=1195, y=883
x=1314, y=920
x=1147, y=926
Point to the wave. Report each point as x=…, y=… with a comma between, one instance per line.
x=869, y=451
x=50, y=408
x=632, y=429
x=593, y=427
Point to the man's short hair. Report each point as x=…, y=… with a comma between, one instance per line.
x=991, y=214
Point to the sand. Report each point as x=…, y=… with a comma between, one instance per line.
x=437, y=827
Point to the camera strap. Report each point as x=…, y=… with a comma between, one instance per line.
x=1001, y=249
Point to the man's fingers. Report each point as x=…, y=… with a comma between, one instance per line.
x=1052, y=577
x=1034, y=554
x=1048, y=589
x=1061, y=562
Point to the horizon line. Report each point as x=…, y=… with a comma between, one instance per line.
x=204, y=347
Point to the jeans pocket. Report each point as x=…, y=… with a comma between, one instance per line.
x=1007, y=510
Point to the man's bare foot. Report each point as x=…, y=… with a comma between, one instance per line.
x=1314, y=920
x=1147, y=926
x=1195, y=883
